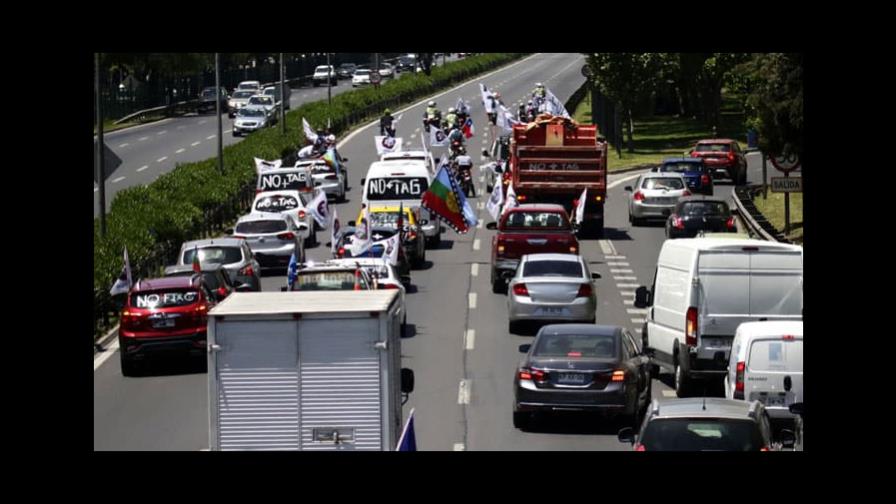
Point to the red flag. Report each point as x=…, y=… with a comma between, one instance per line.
x=196, y=267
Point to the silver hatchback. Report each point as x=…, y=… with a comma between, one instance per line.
x=272, y=237
x=551, y=287
x=655, y=196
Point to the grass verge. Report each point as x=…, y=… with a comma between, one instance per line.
x=773, y=210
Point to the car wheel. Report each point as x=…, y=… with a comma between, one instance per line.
x=498, y=286
x=417, y=263
x=316, y=84
x=435, y=241
x=128, y=366
x=682, y=381
x=521, y=419
x=341, y=197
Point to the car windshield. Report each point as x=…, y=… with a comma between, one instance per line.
x=208, y=92
x=702, y=208
x=261, y=226
x=682, y=167
x=386, y=219
x=250, y=112
x=321, y=69
x=552, y=268
x=602, y=346
x=223, y=255
x=362, y=72
x=243, y=94
x=163, y=298
x=713, y=147
x=325, y=281
x=670, y=184
x=536, y=221
x=261, y=100
x=701, y=434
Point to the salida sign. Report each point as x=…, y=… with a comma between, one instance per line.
x=787, y=184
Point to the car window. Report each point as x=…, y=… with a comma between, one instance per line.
x=704, y=208
x=387, y=219
x=243, y=94
x=576, y=345
x=167, y=298
x=536, y=220
x=276, y=203
x=713, y=147
x=702, y=434
x=681, y=167
x=552, y=268
x=223, y=255
x=326, y=280
x=261, y=226
x=662, y=183
x=247, y=112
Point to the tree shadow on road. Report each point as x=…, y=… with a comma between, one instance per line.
x=616, y=234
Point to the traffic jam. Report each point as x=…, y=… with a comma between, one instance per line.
x=311, y=315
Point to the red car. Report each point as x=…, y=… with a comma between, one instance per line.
x=164, y=315
x=723, y=157
x=534, y=228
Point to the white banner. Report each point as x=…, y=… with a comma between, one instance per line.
x=437, y=137
x=306, y=152
x=386, y=144
x=390, y=248
x=506, y=120
x=580, y=208
x=510, y=201
x=554, y=105
x=494, y=202
x=361, y=239
x=262, y=166
x=320, y=210
x=310, y=135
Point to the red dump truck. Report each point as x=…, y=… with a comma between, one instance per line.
x=555, y=159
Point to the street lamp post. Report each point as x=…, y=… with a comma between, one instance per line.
x=329, y=91
x=218, y=110
x=282, y=99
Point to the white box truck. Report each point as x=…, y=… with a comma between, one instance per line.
x=308, y=371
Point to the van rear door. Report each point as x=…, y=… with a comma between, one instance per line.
x=769, y=361
x=776, y=284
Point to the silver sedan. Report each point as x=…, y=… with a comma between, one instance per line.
x=655, y=195
x=551, y=287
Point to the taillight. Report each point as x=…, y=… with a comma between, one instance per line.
x=739, y=381
x=640, y=447
x=585, y=290
x=573, y=249
x=500, y=249
x=694, y=154
x=690, y=334
x=521, y=197
x=412, y=235
x=302, y=214
x=532, y=374
x=247, y=271
x=286, y=236
x=788, y=337
x=238, y=237
x=618, y=375
x=222, y=291
x=704, y=179
x=341, y=252
x=765, y=448
x=686, y=193
x=388, y=286
x=730, y=155
x=730, y=223
x=520, y=290
x=638, y=196
x=677, y=222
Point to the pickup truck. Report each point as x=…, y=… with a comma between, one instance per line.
x=528, y=229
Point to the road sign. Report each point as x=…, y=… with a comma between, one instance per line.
x=787, y=184
x=375, y=77
x=110, y=161
x=786, y=164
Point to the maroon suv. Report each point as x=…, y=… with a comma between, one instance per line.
x=724, y=158
x=164, y=315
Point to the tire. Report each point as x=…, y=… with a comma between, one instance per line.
x=435, y=241
x=315, y=83
x=521, y=420
x=417, y=263
x=341, y=197
x=498, y=286
x=513, y=326
x=683, y=383
x=128, y=366
x=235, y=134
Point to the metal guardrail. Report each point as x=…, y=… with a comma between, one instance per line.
x=750, y=215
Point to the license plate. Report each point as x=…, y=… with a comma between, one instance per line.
x=716, y=342
x=772, y=400
x=552, y=311
x=163, y=324
x=571, y=379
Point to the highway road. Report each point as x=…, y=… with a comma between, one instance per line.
x=461, y=351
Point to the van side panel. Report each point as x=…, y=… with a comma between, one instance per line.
x=776, y=286
x=723, y=292
x=669, y=309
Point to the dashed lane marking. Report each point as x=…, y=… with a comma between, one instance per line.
x=162, y=132
x=472, y=300
x=612, y=257
x=123, y=145
x=636, y=311
x=119, y=179
x=627, y=286
x=459, y=447
x=194, y=144
x=463, y=392
x=161, y=159
x=142, y=168
x=474, y=269
x=469, y=339
x=604, y=246
x=142, y=139
x=476, y=243
x=210, y=137
x=202, y=121
x=626, y=278
x=178, y=151
x=618, y=263
x=621, y=271
x=627, y=293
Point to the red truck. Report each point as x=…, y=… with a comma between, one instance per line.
x=554, y=161
x=528, y=229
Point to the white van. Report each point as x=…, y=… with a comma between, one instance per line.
x=401, y=181
x=766, y=365
x=703, y=289
x=418, y=155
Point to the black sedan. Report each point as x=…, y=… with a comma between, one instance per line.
x=581, y=367
x=694, y=214
x=346, y=70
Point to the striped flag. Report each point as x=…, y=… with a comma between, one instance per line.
x=196, y=266
x=124, y=281
x=468, y=128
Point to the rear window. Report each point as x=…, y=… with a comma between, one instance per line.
x=713, y=147
x=552, y=268
x=208, y=92
x=325, y=281
x=536, y=220
x=576, y=345
x=386, y=219
x=701, y=208
x=249, y=86
x=223, y=255
x=776, y=355
x=701, y=434
x=662, y=183
x=682, y=167
x=321, y=69
x=261, y=226
x=164, y=298
x=243, y=94
x=362, y=72
x=261, y=100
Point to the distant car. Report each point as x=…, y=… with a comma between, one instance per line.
x=345, y=70
x=331, y=277
x=249, y=119
x=702, y=424
x=386, y=70
x=724, y=158
x=555, y=287
x=273, y=238
x=581, y=367
x=164, y=315
x=346, y=238
x=207, y=100
x=292, y=204
x=322, y=74
x=694, y=171
x=238, y=100
x=265, y=102
x=274, y=91
x=656, y=196
x=406, y=64
x=234, y=254
x=361, y=77
x=216, y=278
x=326, y=178
x=414, y=242
x=251, y=85
x=695, y=214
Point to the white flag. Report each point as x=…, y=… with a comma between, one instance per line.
x=386, y=144
x=390, y=248
x=320, y=210
x=437, y=137
x=310, y=135
x=335, y=227
x=306, y=151
x=261, y=165
x=484, y=92
x=554, y=105
x=580, y=208
x=510, y=201
x=495, y=201
x=361, y=239
x=505, y=119
x=124, y=281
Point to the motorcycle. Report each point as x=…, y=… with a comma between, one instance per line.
x=431, y=120
x=456, y=149
x=465, y=180
x=389, y=131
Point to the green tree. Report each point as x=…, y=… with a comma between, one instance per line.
x=716, y=71
x=774, y=82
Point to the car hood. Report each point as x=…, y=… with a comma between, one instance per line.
x=242, y=120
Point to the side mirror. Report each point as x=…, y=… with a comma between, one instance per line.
x=407, y=381
x=244, y=287
x=525, y=348
x=626, y=435
x=628, y=188
x=492, y=225
x=642, y=297
x=595, y=276
x=351, y=223
x=797, y=408
x=788, y=438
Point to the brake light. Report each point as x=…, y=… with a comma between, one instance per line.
x=730, y=155
x=585, y=290
x=412, y=235
x=302, y=214
x=695, y=154
x=573, y=249
x=788, y=337
x=690, y=333
x=638, y=196
x=247, y=271
x=388, y=286
x=239, y=237
x=764, y=448
x=500, y=249
x=222, y=291
x=521, y=197
x=520, y=290
x=618, y=375
x=640, y=447
x=286, y=236
x=686, y=193
x=341, y=252
x=677, y=222
x=730, y=224
x=739, y=381
x=704, y=179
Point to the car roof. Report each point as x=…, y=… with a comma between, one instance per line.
x=603, y=330
x=537, y=207
x=390, y=156
x=553, y=257
x=205, y=267
x=729, y=244
x=180, y=282
x=260, y=216
x=697, y=197
x=771, y=328
x=360, y=261
x=648, y=175
x=683, y=160
x=716, y=141
x=213, y=242
x=693, y=407
x=249, y=82
x=281, y=192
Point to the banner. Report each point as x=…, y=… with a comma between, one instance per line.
x=580, y=207
x=494, y=202
x=261, y=165
x=310, y=135
x=408, y=439
x=386, y=144
x=320, y=210
x=361, y=240
x=437, y=137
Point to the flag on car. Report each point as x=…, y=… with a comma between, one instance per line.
x=361, y=239
x=124, y=281
x=386, y=144
x=320, y=210
x=261, y=165
x=196, y=266
x=442, y=198
x=580, y=206
x=335, y=226
x=332, y=159
x=437, y=137
x=292, y=272
x=408, y=439
x=390, y=248
x=310, y=135
x=495, y=200
x=468, y=128
x=510, y=201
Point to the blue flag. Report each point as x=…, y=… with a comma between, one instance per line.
x=467, y=210
x=293, y=271
x=408, y=440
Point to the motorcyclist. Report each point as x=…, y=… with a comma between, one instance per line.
x=432, y=115
x=463, y=167
x=495, y=101
x=386, y=128
x=451, y=118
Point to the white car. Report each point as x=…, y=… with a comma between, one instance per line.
x=361, y=77
x=249, y=85
x=274, y=91
x=386, y=70
x=326, y=179
x=292, y=204
x=250, y=119
x=238, y=100
x=322, y=73
x=263, y=101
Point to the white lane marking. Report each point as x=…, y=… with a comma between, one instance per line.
x=142, y=168
x=162, y=132
x=627, y=278
x=621, y=263
x=210, y=137
x=628, y=302
x=480, y=205
x=613, y=257
x=621, y=271
x=417, y=130
x=412, y=137
x=161, y=159
x=117, y=180
x=104, y=356
x=476, y=244
x=469, y=339
x=472, y=300
x=627, y=293
x=142, y=139
x=482, y=179
x=604, y=246
x=463, y=392
x=479, y=225
x=202, y=121
x=123, y=145
x=638, y=321
x=474, y=269
x=459, y=447
x=627, y=286
x=194, y=144
x=636, y=311
x=669, y=393
x=226, y=131
x=178, y=151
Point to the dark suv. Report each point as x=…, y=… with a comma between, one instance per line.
x=207, y=100
x=703, y=424
x=346, y=70
x=164, y=315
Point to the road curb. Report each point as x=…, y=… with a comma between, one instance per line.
x=101, y=343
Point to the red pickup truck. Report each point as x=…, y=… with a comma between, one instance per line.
x=528, y=229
